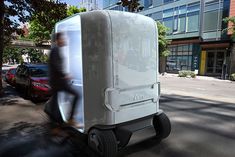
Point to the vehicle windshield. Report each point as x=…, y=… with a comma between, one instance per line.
x=39, y=71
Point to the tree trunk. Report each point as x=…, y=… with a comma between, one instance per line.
x=1, y=41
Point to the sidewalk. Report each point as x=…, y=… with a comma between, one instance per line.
x=208, y=88
x=197, y=77
x=15, y=109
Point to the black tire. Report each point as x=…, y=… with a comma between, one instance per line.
x=26, y=92
x=17, y=86
x=103, y=142
x=162, y=125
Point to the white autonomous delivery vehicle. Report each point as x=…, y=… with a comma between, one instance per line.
x=113, y=59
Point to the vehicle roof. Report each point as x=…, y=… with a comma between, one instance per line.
x=35, y=65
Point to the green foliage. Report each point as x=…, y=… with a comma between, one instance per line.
x=14, y=55
x=20, y=10
x=132, y=5
x=36, y=56
x=46, y=14
x=14, y=13
x=44, y=18
x=232, y=28
x=163, y=42
x=187, y=73
x=232, y=77
x=73, y=10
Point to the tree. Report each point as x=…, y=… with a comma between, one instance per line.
x=46, y=15
x=132, y=5
x=73, y=10
x=12, y=55
x=8, y=24
x=232, y=27
x=162, y=41
x=44, y=18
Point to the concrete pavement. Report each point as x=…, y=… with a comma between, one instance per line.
x=15, y=109
x=201, y=111
x=201, y=87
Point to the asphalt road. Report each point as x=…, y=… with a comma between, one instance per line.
x=202, y=113
x=200, y=128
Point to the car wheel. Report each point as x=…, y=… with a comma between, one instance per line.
x=103, y=142
x=162, y=125
x=17, y=87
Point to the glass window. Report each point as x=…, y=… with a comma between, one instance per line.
x=168, y=12
x=220, y=21
x=180, y=48
x=193, y=22
x=181, y=24
x=176, y=11
x=185, y=48
x=39, y=71
x=213, y=5
x=148, y=3
x=106, y=4
x=175, y=29
x=193, y=7
x=113, y=2
x=157, y=15
x=168, y=22
x=168, y=1
x=210, y=25
x=182, y=9
x=185, y=53
x=190, y=47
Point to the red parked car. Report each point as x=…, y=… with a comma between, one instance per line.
x=32, y=79
x=10, y=76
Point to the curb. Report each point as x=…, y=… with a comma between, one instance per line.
x=205, y=78
x=199, y=96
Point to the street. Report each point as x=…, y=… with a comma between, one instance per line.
x=202, y=114
x=200, y=128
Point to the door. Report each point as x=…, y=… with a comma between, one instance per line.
x=72, y=57
x=215, y=60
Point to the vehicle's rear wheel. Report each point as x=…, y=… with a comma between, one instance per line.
x=162, y=125
x=103, y=142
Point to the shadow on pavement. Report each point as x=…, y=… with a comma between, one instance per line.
x=199, y=128
x=37, y=140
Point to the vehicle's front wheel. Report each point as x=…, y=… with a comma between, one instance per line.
x=162, y=126
x=103, y=142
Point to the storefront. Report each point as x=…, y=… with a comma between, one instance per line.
x=215, y=59
x=183, y=57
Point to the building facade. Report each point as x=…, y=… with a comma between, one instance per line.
x=198, y=41
x=90, y=4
